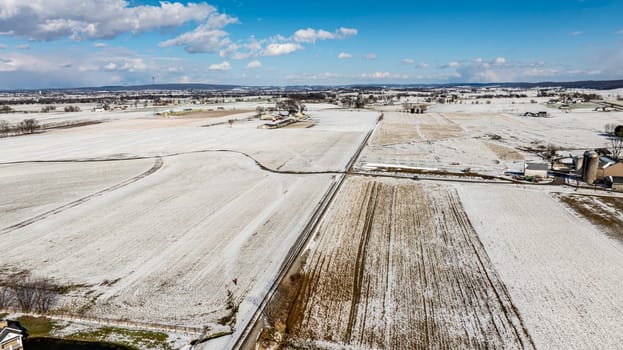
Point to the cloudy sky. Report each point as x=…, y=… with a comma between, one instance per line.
x=71, y=43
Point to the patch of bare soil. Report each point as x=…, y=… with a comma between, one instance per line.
x=396, y=265
x=604, y=212
x=503, y=152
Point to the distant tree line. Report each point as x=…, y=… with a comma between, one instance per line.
x=26, y=126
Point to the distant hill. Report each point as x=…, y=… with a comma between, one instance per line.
x=587, y=84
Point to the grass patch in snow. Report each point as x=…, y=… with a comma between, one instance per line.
x=37, y=326
x=138, y=339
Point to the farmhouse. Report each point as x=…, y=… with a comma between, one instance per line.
x=535, y=169
x=12, y=335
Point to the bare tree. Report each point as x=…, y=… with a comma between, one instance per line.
x=290, y=105
x=6, y=298
x=29, y=126
x=609, y=128
x=616, y=146
x=5, y=128
x=33, y=293
x=260, y=110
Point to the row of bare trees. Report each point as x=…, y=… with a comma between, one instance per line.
x=26, y=126
x=28, y=294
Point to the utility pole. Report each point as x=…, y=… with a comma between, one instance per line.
x=153, y=80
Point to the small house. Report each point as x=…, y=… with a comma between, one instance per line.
x=536, y=170
x=12, y=335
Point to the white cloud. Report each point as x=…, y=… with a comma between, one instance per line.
x=346, y=32
x=344, y=55
x=100, y=45
x=423, y=65
x=254, y=64
x=23, y=47
x=408, y=61
x=123, y=64
x=94, y=19
x=452, y=64
x=278, y=44
x=383, y=75
x=311, y=35
x=500, y=60
x=220, y=66
x=2, y=47
x=576, y=33
x=206, y=38
x=620, y=31
x=278, y=49
x=370, y=56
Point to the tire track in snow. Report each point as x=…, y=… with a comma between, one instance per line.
x=157, y=166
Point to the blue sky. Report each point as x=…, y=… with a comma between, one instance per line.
x=71, y=43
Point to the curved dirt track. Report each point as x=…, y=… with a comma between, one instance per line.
x=158, y=163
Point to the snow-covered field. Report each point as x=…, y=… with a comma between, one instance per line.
x=557, y=265
x=484, y=138
x=155, y=217
x=160, y=236
x=562, y=273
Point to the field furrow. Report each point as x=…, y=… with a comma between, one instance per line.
x=397, y=265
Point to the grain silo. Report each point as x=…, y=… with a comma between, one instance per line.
x=591, y=164
x=578, y=162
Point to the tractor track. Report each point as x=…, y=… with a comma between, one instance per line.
x=157, y=166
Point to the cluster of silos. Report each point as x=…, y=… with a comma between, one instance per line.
x=588, y=165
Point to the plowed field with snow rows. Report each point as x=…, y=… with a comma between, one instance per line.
x=398, y=265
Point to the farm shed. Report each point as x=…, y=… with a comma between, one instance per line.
x=536, y=169
x=609, y=167
x=12, y=335
x=615, y=182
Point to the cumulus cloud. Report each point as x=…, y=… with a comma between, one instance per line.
x=311, y=35
x=23, y=47
x=220, y=66
x=123, y=64
x=408, y=61
x=423, y=65
x=280, y=45
x=254, y=64
x=500, y=60
x=100, y=45
x=370, y=56
x=278, y=49
x=206, y=38
x=94, y=19
x=344, y=55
